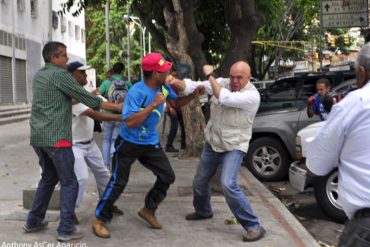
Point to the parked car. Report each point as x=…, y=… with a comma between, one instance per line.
x=325, y=187
x=281, y=115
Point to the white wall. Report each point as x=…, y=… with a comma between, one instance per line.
x=76, y=45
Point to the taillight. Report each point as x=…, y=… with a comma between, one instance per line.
x=298, y=148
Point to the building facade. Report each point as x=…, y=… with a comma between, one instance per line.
x=25, y=27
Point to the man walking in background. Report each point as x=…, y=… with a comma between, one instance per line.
x=111, y=128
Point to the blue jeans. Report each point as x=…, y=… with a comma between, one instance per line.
x=236, y=200
x=110, y=131
x=57, y=164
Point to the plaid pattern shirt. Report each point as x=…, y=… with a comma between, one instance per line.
x=51, y=114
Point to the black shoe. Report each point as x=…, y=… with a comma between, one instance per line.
x=43, y=225
x=117, y=211
x=195, y=216
x=183, y=145
x=171, y=149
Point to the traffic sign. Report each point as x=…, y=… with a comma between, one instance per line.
x=344, y=13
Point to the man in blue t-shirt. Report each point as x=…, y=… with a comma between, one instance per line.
x=139, y=139
x=315, y=102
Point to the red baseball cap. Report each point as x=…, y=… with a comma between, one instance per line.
x=155, y=62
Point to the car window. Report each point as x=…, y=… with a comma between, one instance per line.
x=283, y=89
x=308, y=88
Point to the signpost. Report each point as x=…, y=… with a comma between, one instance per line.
x=344, y=13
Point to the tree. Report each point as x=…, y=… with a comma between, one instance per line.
x=176, y=33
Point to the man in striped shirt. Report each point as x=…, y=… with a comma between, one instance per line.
x=51, y=138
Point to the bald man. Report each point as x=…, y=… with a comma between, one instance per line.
x=234, y=104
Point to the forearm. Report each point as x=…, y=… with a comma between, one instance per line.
x=139, y=117
x=216, y=88
x=107, y=117
x=184, y=100
x=310, y=113
x=111, y=106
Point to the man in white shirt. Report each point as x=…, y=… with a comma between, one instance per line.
x=343, y=143
x=234, y=104
x=86, y=151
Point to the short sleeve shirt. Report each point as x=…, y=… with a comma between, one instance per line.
x=138, y=97
x=318, y=108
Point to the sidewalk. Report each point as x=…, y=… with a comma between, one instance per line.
x=130, y=230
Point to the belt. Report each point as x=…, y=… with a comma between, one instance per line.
x=86, y=142
x=362, y=213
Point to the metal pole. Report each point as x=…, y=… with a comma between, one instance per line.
x=128, y=44
x=320, y=37
x=13, y=55
x=150, y=43
x=144, y=51
x=107, y=36
x=141, y=50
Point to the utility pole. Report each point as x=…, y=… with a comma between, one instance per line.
x=107, y=37
x=128, y=45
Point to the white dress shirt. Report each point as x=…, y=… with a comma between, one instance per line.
x=344, y=142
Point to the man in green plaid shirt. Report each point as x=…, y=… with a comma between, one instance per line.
x=51, y=138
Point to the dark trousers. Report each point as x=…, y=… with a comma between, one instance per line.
x=57, y=164
x=357, y=231
x=175, y=120
x=153, y=158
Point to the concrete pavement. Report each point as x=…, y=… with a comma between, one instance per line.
x=19, y=170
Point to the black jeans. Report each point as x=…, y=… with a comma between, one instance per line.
x=153, y=158
x=357, y=231
x=175, y=119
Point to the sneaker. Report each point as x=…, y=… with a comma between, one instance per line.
x=117, y=211
x=148, y=216
x=76, y=234
x=171, y=149
x=195, y=216
x=100, y=230
x=254, y=235
x=43, y=225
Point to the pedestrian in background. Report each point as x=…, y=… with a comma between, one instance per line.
x=315, y=102
x=175, y=115
x=51, y=138
x=139, y=140
x=343, y=143
x=234, y=104
x=111, y=128
x=86, y=151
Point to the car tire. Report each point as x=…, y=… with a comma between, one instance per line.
x=268, y=159
x=326, y=194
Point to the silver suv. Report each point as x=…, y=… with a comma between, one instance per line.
x=281, y=115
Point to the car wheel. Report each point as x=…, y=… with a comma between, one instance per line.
x=267, y=159
x=326, y=194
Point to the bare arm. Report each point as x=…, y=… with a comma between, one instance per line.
x=310, y=100
x=184, y=100
x=139, y=117
x=111, y=106
x=102, y=116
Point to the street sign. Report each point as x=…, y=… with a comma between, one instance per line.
x=344, y=13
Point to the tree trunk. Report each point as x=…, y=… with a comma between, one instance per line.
x=243, y=21
x=178, y=45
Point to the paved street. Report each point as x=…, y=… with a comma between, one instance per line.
x=18, y=170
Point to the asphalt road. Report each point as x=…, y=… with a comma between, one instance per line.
x=306, y=210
